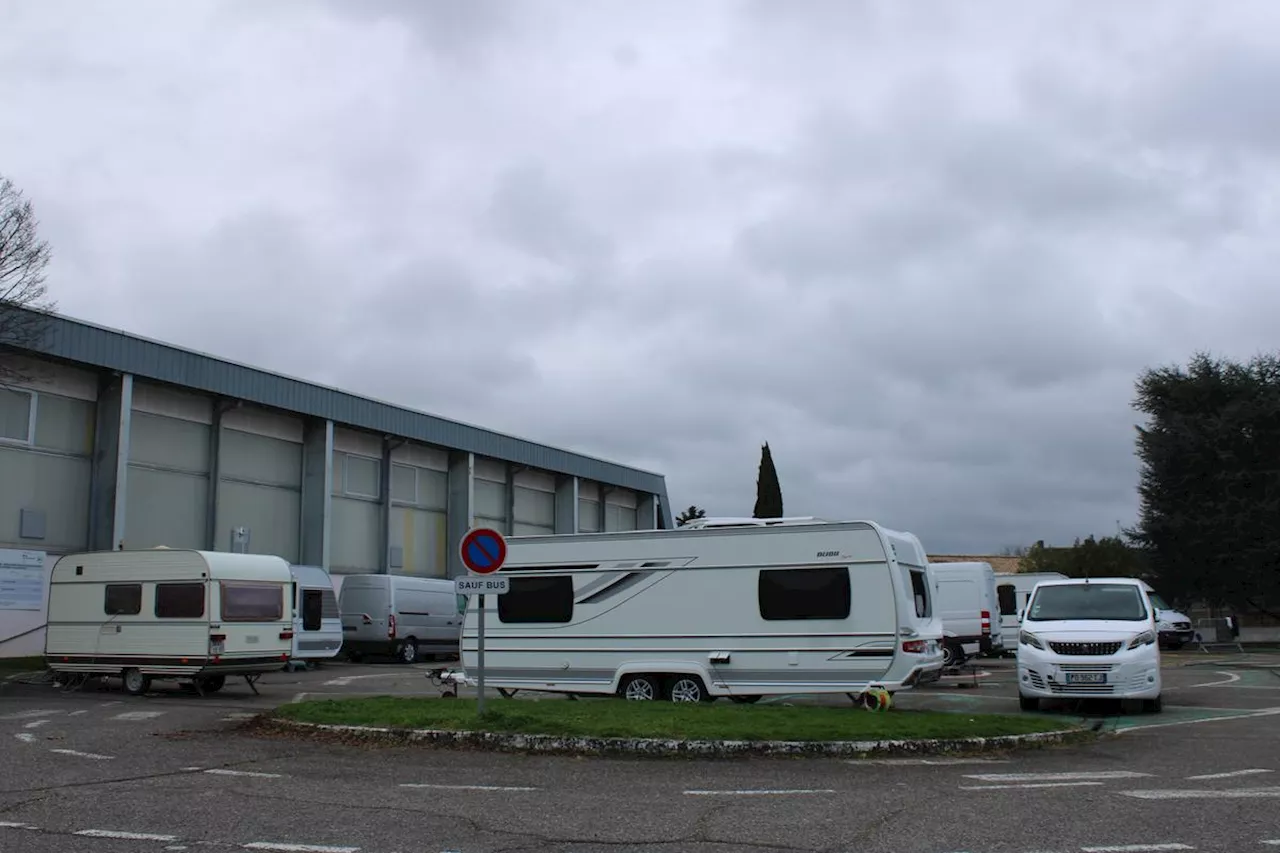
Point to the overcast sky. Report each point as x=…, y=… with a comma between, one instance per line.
x=923, y=249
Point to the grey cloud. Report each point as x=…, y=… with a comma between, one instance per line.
x=922, y=251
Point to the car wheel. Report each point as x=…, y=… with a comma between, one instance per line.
x=640, y=688
x=409, y=651
x=1028, y=703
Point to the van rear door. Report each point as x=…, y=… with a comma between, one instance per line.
x=364, y=607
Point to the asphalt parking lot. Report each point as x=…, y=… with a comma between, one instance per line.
x=99, y=771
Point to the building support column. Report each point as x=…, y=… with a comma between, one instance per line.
x=317, y=493
x=108, y=492
x=220, y=407
x=646, y=512
x=392, y=558
x=605, y=491
x=566, y=504
x=459, y=517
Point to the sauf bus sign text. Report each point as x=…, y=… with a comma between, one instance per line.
x=483, y=553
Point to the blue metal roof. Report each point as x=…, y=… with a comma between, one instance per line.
x=98, y=346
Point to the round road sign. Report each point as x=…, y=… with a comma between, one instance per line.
x=483, y=550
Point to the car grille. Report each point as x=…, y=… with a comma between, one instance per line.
x=1182, y=626
x=1109, y=648
x=1085, y=667
x=1036, y=680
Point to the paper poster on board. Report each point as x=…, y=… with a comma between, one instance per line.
x=22, y=577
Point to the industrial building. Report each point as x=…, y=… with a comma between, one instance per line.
x=113, y=441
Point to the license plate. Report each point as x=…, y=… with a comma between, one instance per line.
x=1086, y=678
x=216, y=648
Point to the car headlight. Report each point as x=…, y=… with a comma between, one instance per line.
x=1146, y=638
x=1027, y=638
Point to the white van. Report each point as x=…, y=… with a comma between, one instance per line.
x=399, y=615
x=967, y=603
x=1089, y=637
x=741, y=608
x=169, y=613
x=317, y=625
x=1173, y=626
x=1013, y=590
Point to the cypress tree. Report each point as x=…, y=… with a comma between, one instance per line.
x=768, y=489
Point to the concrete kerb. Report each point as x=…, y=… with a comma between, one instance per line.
x=672, y=748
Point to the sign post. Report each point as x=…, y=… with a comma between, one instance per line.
x=483, y=552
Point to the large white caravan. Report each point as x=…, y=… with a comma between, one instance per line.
x=721, y=607
x=168, y=613
x=317, y=625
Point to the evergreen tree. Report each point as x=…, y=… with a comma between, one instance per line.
x=768, y=489
x=1210, y=483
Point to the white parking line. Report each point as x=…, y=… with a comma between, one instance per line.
x=298, y=848
x=1137, y=848
x=1055, y=777
x=76, y=713
x=925, y=762
x=1204, y=794
x=28, y=715
x=255, y=774
x=25, y=737
x=467, y=787
x=1231, y=678
x=138, y=715
x=1266, y=712
x=126, y=836
x=79, y=754
x=1028, y=785
x=760, y=793
x=37, y=724
x=8, y=824
x=1230, y=775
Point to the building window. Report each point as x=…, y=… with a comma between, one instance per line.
x=252, y=602
x=360, y=476
x=179, y=600
x=123, y=599
x=17, y=412
x=545, y=599
x=404, y=483
x=786, y=594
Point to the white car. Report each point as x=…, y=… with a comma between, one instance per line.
x=1086, y=638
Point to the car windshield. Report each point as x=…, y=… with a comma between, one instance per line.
x=1087, y=601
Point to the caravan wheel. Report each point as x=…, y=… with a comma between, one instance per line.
x=135, y=683
x=689, y=688
x=640, y=688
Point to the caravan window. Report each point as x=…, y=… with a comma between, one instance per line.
x=1008, y=595
x=786, y=594
x=179, y=600
x=123, y=599
x=920, y=592
x=252, y=602
x=312, y=609
x=546, y=599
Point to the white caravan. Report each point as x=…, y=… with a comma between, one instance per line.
x=317, y=625
x=966, y=602
x=1012, y=590
x=400, y=616
x=1085, y=638
x=169, y=613
x=721, y=607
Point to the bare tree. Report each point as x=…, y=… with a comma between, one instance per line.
x=24, y=306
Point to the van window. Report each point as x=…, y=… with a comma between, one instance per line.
x=312, y=609
x=252, y=602
x=920, y=592
x=179, y=600
x=546, y=599
x=786, y=594
x=123, y=599
x=1008, y=595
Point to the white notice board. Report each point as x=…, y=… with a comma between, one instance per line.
x=21, y=580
